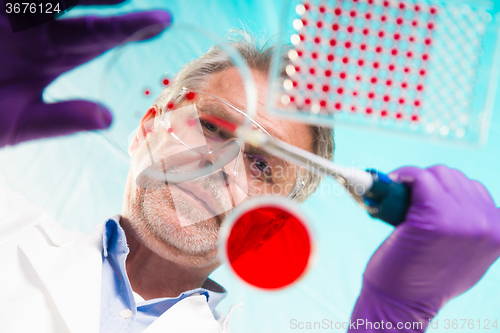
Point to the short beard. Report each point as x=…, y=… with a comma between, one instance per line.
x=158, y=216
x=196, y=239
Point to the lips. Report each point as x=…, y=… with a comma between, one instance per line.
x=204, y=198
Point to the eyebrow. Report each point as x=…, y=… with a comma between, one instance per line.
x=225, y=114
x=275, y=134
x=219, y=110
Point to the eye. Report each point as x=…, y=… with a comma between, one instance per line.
x=259, y=166
x=212, y=132
x=209, y=126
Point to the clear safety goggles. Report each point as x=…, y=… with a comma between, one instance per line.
x=180, y=149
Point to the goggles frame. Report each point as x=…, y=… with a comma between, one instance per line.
x=299, y=183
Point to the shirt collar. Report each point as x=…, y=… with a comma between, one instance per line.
x=113, y=228
x=114, y=242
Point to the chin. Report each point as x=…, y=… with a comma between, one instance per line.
x=161, y=225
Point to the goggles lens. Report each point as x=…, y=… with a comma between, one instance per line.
x=179, y=146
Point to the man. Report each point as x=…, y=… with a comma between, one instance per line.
x=146, y=270
x=163, y=258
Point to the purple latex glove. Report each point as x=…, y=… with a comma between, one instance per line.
x=450, y=237
x=31, y=59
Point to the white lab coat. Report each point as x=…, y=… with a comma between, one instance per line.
x=50, y=278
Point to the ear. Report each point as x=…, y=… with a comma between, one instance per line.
x=150, y=114
x=145, y=126
x=147, y=120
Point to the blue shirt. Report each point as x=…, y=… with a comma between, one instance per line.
x=122, y=310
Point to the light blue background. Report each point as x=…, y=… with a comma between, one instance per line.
x=79, y=180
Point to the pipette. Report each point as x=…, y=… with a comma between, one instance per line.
x=381, y=196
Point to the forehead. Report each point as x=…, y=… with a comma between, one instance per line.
x=228, y=85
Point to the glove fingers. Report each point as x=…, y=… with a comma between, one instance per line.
x=49, y=120
x=422, y=183
x=93, y=35
x=483, y=192
x=452, y=180
x=456, y=182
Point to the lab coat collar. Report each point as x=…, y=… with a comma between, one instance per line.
x=75, y=285
x=69, y=265
x=191, y=315
x=216, y=293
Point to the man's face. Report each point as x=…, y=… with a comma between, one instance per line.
x=175, y=221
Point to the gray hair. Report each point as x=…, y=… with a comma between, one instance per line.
x=194, y=75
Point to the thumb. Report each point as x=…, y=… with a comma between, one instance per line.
x=49, y=120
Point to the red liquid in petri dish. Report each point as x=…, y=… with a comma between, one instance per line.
x=269, y=248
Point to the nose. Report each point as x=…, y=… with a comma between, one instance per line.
x=226, y=176
x=207, y=160
x=225, y=172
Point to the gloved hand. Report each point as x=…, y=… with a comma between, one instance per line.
x=450, y=237
x=31, y=59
